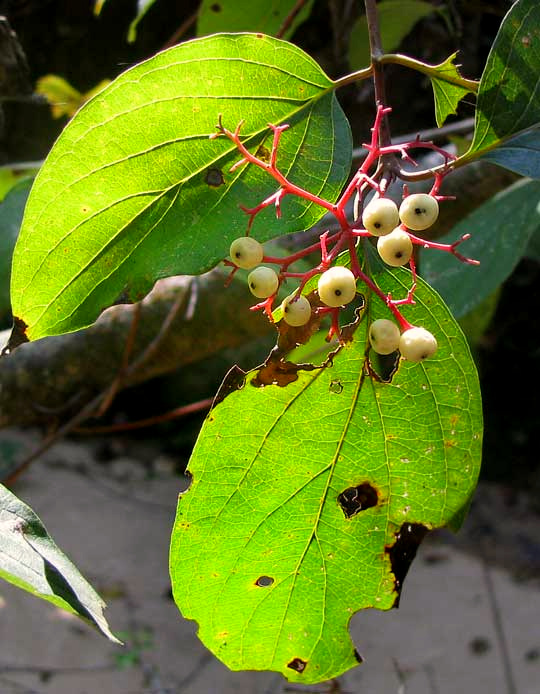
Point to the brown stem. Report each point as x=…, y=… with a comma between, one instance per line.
x=289, y=19
x=376, y=49
x=178, y=412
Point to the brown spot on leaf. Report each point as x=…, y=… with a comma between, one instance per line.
x=359, y=498
x=214, y=177
x=297, y=664
x=216, y=7
x=264, y=581
x=357, y=656
x=278, y=372
x=17, y=337
x=234, y=380
x=403, y=551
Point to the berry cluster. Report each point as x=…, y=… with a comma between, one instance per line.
x=381, y=220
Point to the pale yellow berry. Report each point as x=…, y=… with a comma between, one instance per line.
x=263, y=282
x=395, y=248
x=337, y=286
x=417, y=344
x=384, y=336
x=419, y=211
x=380, y=216
x=296, y=310
x=246, y=252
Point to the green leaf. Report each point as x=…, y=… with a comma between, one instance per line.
x=447, y=93
x=508, y=93
x=30, y=559
x=396, y=20
x=11, y=214
x=500, y=230
x=520, y=153
x=246, y=15
x=135, y=190
x=267, y=555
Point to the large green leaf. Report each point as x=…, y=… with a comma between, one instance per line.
x=246, y=15
x=308, y=500
x=30, y=559
x=508, y=93
x=135, y=190
x=500, y=231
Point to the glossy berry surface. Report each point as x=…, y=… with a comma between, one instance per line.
x=417, y=344
x=246, y=252
x=337, y=286
x=380, y=216
x=384, y=336
x=419, y=211
x=263, y=282
x=296, y=310
x=395, y=248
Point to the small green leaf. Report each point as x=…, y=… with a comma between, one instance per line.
x=447, y=93
x=396, y=18
x=135, y=190
x=246, y=15
x=306, y=496
x=500, y=231
x=508, y=93
x=30, y=559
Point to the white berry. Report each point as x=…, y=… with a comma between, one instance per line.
x=263, y=282
x=296, y=310
x=246, y=252
x=380, y=216
x=337, y=286
x=417, y=344
x=384, y=336
x=395, y=248
x=419, y=211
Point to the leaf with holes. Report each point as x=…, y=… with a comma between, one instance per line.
x=311, y=494
x=30, y=559
x=135, y=190
x=246, y=15
x=508, y=93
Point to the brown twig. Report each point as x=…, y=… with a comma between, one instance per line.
x=122, y=371
x=178, y=412
x=289, y=19
x=182, y=29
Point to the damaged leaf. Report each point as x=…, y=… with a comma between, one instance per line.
x=309, y=499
